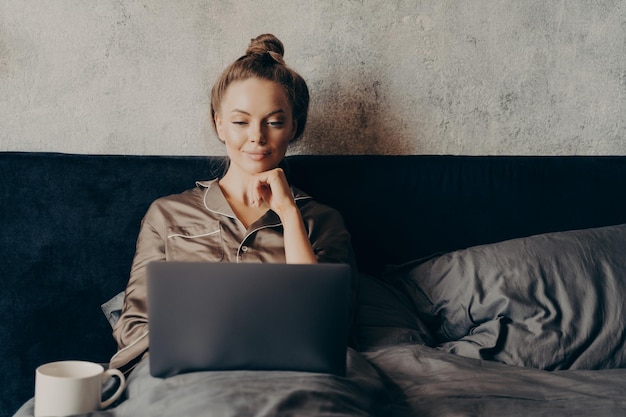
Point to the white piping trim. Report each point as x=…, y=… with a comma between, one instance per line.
x=206, y=192
x=193, y=236
x=267, y=226
x=131, y=345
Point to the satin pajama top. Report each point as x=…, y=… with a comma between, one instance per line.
x=199, y=225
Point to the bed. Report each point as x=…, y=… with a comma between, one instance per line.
x=489, y=285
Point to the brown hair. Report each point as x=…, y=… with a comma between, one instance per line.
x=264, y=60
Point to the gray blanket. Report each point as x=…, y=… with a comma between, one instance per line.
x=425, y=381
x=419, y=380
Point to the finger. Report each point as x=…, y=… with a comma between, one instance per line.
x=258, y=191
x=253, y=196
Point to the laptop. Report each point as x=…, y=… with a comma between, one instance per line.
x=228, y=316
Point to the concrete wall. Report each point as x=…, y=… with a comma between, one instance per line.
x=531, y=77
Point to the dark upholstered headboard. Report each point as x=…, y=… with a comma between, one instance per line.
x=399, y=208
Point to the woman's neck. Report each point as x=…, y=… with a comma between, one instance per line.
x=235, y=186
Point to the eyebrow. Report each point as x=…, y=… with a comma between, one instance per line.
x=267, y=115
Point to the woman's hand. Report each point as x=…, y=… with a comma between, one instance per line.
x=271, y=187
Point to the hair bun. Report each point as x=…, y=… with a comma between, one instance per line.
x=267, y=44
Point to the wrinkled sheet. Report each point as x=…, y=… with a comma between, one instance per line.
x=424, y=381
x=249, y=393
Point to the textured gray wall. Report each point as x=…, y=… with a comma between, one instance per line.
x=530, y=77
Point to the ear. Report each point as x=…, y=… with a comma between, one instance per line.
x=218, y=126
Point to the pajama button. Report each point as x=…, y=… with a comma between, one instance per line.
x=244, y=249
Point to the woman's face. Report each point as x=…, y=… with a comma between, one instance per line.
x=255, y=122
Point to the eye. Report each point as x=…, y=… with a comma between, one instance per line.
x=276, y=123
x=238, y=122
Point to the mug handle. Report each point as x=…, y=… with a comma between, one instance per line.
x=120, y=389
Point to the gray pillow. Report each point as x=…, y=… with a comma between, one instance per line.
x=112, y=309
x=550, y=301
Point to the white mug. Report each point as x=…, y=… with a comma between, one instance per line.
x=72, y=387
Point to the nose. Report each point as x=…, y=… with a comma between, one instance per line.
x=257, y=133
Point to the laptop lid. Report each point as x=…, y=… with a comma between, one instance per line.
x=227, y=316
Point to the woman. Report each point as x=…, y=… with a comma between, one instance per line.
x=258, y=106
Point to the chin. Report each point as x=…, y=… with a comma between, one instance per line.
x=258, y=167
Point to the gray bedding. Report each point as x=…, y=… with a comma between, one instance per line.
x=527, y=327
x=428, y=382
x=549, y=301
x=249, y=393
x=419, y=380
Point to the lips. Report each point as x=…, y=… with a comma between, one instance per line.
x=257, y=155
